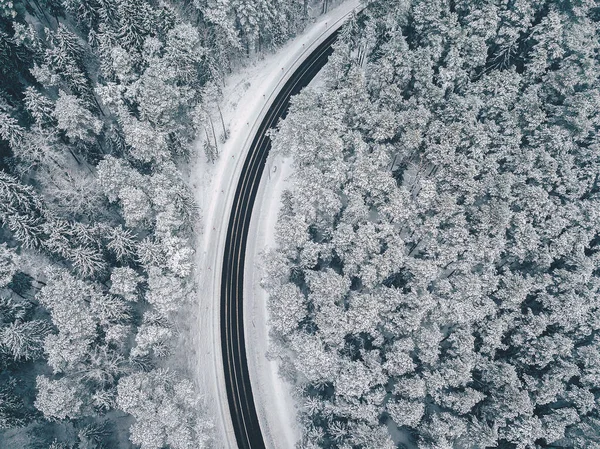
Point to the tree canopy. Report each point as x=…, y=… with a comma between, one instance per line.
x=436, y=278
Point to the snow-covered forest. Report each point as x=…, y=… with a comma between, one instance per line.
x=102, y=103
x=436, y=282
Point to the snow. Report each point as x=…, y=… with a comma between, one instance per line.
x=276, y=408
x=247, y=95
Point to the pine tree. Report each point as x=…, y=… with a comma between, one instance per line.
x=24, y=341
x=10, y=129
x=39, y=106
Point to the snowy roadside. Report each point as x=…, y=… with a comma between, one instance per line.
x=247, y=96
x=275, y=405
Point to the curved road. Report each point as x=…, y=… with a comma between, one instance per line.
x=237, y=378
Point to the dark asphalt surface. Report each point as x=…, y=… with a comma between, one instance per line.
x=237, y=379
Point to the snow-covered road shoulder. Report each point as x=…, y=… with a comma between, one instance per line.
x=274, y=402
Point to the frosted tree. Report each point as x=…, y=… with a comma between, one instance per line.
x=10, y=129
x=65, y=352
x=104, y=367
x=114, y=174
x=219, y=14
x=154, y=336
x=125, y=282
x=21, y=210
x=183, y=54
x=135, y=22
x=108, y=310
x=78, y=310
x=78, y=123
x=166, y=292
x=39, y=106
x=287, y=308
x=146, y=143
x=87, y=260
x=75, y=195
x=147, y=396
x=25, y=341
x=63, y=63
x=121, y=243
x=57, y=399
x=171, y=197
x=136, y=206
x=9, y=262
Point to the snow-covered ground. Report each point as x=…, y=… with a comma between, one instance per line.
x=247, y=96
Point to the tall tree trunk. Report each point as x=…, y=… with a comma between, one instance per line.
x=98, y=104
x=225, y=133
x=74, y=156
x=43, y=12
x=394, y=161
x=212, y=125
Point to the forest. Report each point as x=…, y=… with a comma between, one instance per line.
x=436, y=280
x=101, y=105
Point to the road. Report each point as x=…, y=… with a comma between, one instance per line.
x=237, y=379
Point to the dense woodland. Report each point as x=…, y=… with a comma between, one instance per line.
x=436, y=282
x=101, y=102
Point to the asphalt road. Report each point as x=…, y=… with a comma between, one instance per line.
x=237, y=379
